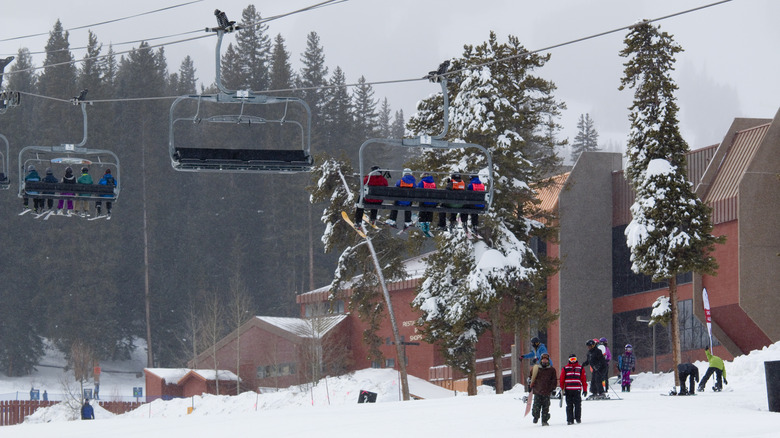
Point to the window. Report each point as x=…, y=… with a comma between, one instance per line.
x=277, y=370
x=375, y=364
x=389, y=363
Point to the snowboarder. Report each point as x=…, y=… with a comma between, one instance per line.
x=626, y=365
x=374, y=178
x=543, y=383
x=537, y=350
x=32, y=176
x=426, y=217
x=686, y=370
x=597, y=364
x=407, y=181
x=69, y=178
x=573, y=382
x=82, y=206
x=717, y=367
x=106, y=180
x=87, y=413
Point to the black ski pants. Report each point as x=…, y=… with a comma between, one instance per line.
x=573, y=405
x=718, y=377
x=691, y=377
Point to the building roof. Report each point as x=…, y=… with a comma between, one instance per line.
x=313, y=328
x=177, y=375
x=547, y=194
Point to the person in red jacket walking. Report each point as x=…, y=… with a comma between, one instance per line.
x=573, y=382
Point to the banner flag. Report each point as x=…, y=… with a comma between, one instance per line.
x=707, y=313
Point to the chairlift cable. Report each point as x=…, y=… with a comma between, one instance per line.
x=390, y=81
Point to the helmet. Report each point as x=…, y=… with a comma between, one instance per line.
x=85, y=169
x=535, y=340
x=108, y=172
x=603, y=340
x=590, y=343
x=49, y=171
x=30, y=168
x=374, y=167
x=629, y=347
x=407, y=171
x=572, y=358
x=456, y=175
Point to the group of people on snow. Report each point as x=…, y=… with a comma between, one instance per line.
x=573, y=381
x=81, y=205
x=454, y=182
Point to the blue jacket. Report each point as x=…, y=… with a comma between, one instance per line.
x=426, y=179
x=108, y=180
x=475, y=180
x=87, y=412
x=537, y=354
x=408, y=180
x=32, y=176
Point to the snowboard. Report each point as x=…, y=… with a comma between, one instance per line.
x=529, y=403
x=346, y=218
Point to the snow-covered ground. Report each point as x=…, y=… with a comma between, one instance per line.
x=331, y=409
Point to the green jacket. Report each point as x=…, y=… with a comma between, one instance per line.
x=715, y=362
x=85, y=178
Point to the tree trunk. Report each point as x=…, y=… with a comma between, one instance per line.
x=498, y=369
x=472, y=377
x=676, y=350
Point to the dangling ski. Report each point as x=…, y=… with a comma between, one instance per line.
x=346, y=218
x=368, y=221
x=102, y=216
x=25, y=211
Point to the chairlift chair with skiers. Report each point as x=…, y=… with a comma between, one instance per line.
x=248, y=137
x=59, y=158
x=438, y=199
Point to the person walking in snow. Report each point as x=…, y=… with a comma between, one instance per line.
x=685, y=371
x=407, y=181
x=597, y=363
x=544, y=380
x=717, y=367
x=573, y=382
x=626, y=364
x=87, y=412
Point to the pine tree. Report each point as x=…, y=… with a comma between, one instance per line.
x=504, y=108
x=586, y=139
x=670, y=232
x=384, y=119
x=58, y=123
x=254, y=46
x=397, y=128
x=312, y=77
x=338, y=116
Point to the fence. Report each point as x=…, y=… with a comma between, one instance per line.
x=14, y=411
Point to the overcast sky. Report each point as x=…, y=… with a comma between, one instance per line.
x=729, y=67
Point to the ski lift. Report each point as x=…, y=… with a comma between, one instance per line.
x=257, y=120
x=5, y=182
x=58, y=158
x=8, y=99
x=439, y=199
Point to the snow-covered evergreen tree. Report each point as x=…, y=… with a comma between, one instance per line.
x=587, y=138
x=670, y=232
x=503, y=107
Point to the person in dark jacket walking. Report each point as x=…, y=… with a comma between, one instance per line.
x=544, y=380
x=686, y=370
x=407, y=181
x=597, y=364
x=573, y=382
x=87, y=413
x=626, y=364
x=69, y=178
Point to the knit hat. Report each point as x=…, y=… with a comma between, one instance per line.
x=30, y=168
x=572, y=358
x=108, y=172
x=545, y=356
x=85, y=169
x=49, y=171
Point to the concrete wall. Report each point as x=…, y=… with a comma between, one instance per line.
x=585, y=278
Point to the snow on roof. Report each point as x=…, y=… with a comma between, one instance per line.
x=305, y=328
x=174, y=375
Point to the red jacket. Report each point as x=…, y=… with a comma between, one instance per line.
x=573, y=377
x=374, y=180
